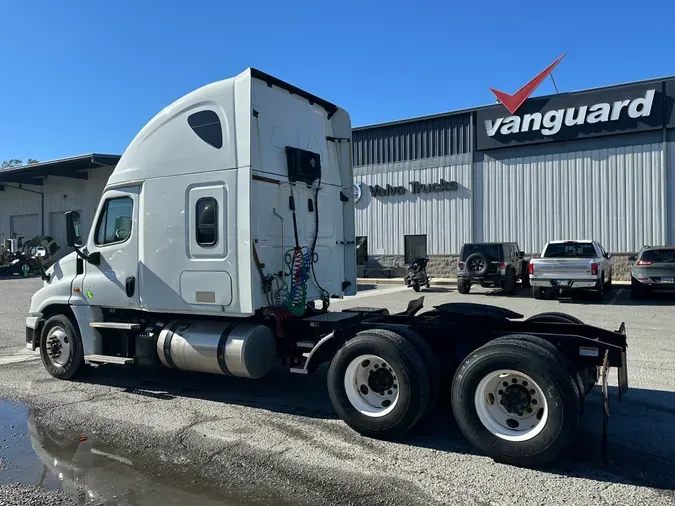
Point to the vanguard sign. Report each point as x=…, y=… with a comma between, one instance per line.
x=551, y=122
x=416, y=188
x=572, y=116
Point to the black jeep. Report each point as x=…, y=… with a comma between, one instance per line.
x=492, y=264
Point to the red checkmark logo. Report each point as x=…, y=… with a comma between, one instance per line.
x=513, y=102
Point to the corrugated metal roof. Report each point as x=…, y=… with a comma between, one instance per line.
x=73, y=166
x=469, y=110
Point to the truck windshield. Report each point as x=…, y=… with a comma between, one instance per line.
x=658, y=256
x=570, y=250
x=493, y=251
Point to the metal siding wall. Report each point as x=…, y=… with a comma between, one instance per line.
x=670, y=192
x=80, y=194
x=444, y=217
x=614, y=195
x=430, y=138
x=15, y=202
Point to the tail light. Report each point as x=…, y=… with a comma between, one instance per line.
x=530, y=269
x=460, y=265
x=502, y=265
x=594, y=269
x=644, y=262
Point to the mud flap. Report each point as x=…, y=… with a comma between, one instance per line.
x=605, y=406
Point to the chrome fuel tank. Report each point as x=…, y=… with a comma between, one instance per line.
x=235, y=349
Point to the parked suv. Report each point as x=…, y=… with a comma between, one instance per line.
x=653, y=271
x=492, y=264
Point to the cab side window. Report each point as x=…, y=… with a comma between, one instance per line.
x=114, y=223
x=207, y=222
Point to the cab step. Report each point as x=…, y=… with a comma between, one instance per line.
x=108, y=359
x=115, y=325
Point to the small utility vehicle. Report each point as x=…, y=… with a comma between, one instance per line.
x=492, y=264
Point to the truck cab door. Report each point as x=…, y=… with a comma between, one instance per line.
x=112, y=280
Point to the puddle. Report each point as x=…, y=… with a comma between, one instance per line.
x=89, y=471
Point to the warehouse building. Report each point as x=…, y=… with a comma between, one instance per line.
x=594, y=164
x=34, y=198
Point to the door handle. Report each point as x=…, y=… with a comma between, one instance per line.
x=130, y=286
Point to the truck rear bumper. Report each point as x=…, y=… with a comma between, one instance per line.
x=567, y=284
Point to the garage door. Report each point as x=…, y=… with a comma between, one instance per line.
x=25, y=225
x=57, y=228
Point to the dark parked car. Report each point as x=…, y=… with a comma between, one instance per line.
x=493, y=264
x=653, y=270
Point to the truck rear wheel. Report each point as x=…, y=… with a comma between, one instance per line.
x=379, y=384
x=61, y=348
x=515, y=404
x=550, y=352
x=538, y=292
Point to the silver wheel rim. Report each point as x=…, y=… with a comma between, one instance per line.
x=511, y=405
x=58, y=346
x=477, y=265
x=371, y=385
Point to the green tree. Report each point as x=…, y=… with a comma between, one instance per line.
x=15, y=162
x=11, y=163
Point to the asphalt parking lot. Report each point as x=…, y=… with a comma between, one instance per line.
x=278, y=441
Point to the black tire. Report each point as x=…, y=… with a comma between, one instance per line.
x=433, y=364
x=538, y=292
x=410, y=369
x=463, y=286
x=637, y=294
x=600, y=290
x=73, y=366
x=551, y=353
x=526, y=277
x=637, y=290
x=510, y=283
x=608, y=285
x=480, y=261
x=554, y=317
x=554, y=381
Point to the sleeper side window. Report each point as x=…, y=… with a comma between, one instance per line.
x=207, y=222
x=206, y=124
x=114, y=223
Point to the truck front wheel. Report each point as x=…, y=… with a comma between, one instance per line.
x=379, y=384
x=61, y=348
x=515, y=404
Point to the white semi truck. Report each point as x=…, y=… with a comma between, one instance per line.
x=222, y=235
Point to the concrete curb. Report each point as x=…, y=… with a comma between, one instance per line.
x=434, y=281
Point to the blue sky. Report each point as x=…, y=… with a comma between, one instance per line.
x=84, y=76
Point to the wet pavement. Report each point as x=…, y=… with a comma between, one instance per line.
x=163, y=436
x=86, y=471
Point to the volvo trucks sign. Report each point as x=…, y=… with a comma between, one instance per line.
x=566, y=117
x=415, y=188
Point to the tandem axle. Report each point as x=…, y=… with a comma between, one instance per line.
x=517, y=386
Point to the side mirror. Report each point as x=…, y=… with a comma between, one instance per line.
x=609, y=256
x=632, y=258
x=74, y=235
x=38, y=252
x=521, y=254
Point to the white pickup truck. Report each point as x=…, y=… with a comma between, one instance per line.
x=571, y=265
